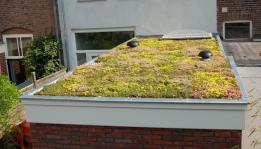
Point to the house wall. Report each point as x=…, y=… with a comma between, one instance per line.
x=2, y=63
x=240, y=10
x=95, y=137
x=27, y=16
x=35, y=17
x=147, y=17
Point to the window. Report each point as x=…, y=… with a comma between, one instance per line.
x=81, y=58
x=17, y=44
x=89, y=45
x=236, y=30
x=17, y=71
x=102, y=40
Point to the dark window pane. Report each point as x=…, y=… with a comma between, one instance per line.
x=25, y=43
x=12, y=47
x=237, y=30
x=17, y=70
x=101, y=40
x=81, y=58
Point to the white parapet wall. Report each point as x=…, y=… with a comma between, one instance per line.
x=135, y=112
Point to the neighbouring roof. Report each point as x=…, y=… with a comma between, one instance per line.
x=155, y=69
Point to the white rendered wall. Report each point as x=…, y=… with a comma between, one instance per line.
x=147, y=17
x=136, y=112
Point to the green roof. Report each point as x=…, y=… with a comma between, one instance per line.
x=155, y=69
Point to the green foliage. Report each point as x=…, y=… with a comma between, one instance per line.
x=8, y=97
x=42, y=56
x=9, y=140
x=157, y=69
x=8, y=101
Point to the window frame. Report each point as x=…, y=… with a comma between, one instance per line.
x=91, y=53
x=19, y=43
x=238, y=21
x=5, y=36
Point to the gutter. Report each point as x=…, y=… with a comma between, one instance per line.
x=56, y=21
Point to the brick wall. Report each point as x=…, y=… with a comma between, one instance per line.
x=26, y=16
x=2, y=63
x=240, y=10
x=98, y=137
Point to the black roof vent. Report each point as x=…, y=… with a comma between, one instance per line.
x=205, y=54
x=133, y=43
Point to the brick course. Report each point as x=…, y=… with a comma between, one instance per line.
x=27, y=16
x=53, y=136
x=2, y=63
x=240, y=10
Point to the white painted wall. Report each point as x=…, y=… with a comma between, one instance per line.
x=148, y=17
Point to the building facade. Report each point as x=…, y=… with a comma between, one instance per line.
x=239, y=19
x=20, y=22
x=84, y=19
x=90, y=28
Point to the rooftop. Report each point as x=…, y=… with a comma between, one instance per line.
x=155, y=69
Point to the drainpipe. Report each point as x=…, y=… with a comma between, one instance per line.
x=56, y=21
x=63, y=34
x=56, y=28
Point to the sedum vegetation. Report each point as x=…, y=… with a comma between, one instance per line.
x=155, y=69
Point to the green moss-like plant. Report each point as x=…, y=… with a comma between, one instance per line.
x=157, y=69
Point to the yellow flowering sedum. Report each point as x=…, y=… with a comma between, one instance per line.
x=155, y=69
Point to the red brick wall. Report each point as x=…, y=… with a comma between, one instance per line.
x=2, y=63
x=26, y=16
x=240, y=10
x=98, y=137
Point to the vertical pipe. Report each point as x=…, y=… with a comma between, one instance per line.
x=60, y=7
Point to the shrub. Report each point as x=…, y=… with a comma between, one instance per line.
x=42, y=56
x=8, y=97
x=8, y=101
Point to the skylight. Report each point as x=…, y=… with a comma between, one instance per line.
x=187, y=34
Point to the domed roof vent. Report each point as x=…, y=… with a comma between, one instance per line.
x=187, y=34
x=205, y=54
x=133, y=43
